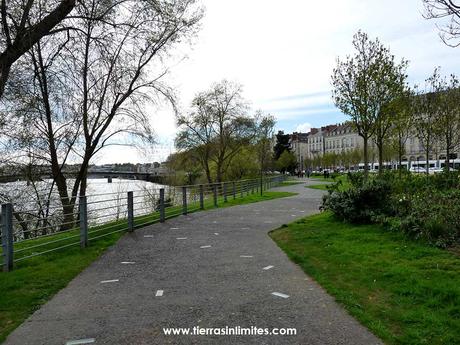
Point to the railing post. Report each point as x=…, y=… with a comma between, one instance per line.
x=184, y=200
x=162, y=205
x=214, y=190
x=225, y=192
x=248, y=187
x=201, y=197
x=252, y=187
x=234, y=190
x=83, y=221
x=261, y=185
x=241, y=188
x=7, y=237
x=130, y=212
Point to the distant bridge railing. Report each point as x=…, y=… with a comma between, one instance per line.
x=101, y=215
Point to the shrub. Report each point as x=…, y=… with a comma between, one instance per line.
x=435, y=217
x=359, y=204
x=425, y=207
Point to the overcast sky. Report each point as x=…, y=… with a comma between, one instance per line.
x=283, y=53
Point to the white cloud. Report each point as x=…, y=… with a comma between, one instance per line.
x=303, y=128
x=281, y=49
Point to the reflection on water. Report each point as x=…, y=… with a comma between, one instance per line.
x=38, y=209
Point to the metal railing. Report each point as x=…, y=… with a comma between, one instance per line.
x=100, y=215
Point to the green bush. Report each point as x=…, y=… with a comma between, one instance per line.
x=360, y=204
x=424, y=207
x=434, y=217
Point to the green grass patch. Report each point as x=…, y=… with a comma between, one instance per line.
x=35, y=280
x=405, y=292
x=342, y=179
x=321, y=178
x=318, y=186
x=290, y=183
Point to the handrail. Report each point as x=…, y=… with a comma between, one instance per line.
x=88, y=218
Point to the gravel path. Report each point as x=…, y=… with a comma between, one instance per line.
x=209, y=269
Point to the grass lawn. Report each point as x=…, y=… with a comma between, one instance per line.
x=290, y=183
x=342, y=178
x=318, y=186
x=404, y=291
x=34, y=281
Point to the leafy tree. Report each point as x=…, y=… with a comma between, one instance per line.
x=403, y=121
x=185, y=166
x=286, y=162
x=448, y=122
x=426, y=110
x=265, y=125
x=282, y=144
x=217, y=128
x=364, y=84
x=245, y=164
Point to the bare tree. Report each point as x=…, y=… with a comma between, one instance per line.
x=90, y=89
x=197, y=133
x=445, y=9
x=23, y=24
x=217, y=128
x=265, y=127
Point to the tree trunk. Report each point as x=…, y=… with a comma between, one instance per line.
x=366, y=157
x=380, y=148
x=400, y=154
x=427, y=156
x=447, y=154
x=56, y=169
x=219, y=172
x=208, y=176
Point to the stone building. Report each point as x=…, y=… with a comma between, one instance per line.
x=340, y=138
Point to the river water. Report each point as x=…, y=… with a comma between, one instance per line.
x=36, y=208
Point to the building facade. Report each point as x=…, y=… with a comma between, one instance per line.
x=342, y=138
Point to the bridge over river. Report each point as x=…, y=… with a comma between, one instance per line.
x=108, y=174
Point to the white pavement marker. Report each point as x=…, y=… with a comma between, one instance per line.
x=202, y=247
x=128, y=262
x=81, y=341
x=279, y=294
x=148, y=236
x=173, y=228
x=268, y=268
x=159, y=293
x=245, y=228
x=110, y=281
x=181, y=238
x=216, y=233
x=246, y=256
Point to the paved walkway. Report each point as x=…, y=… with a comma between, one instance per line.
x=206, y=270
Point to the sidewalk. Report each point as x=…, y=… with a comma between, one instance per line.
x=205, y=269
